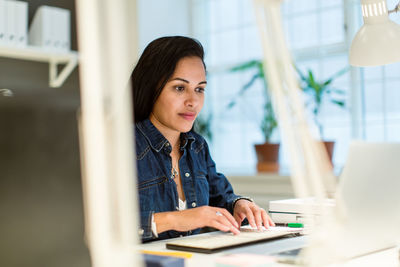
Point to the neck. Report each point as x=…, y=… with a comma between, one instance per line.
x=171, y=135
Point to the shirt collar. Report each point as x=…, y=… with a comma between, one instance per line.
x=156, y=140
x=187, y=138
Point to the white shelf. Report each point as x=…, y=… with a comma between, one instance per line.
x=70, y=59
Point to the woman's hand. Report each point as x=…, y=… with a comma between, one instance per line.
x=254, y=214
x=190, y=219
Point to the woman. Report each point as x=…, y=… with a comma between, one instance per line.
x=179, y=189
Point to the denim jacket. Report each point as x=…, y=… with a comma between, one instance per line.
x=201, y=183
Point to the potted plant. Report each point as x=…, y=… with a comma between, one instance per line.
x=319, y=92
x=268, y=152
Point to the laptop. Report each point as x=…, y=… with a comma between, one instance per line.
x=217, y=241
x=367, y=216
x=369, y=194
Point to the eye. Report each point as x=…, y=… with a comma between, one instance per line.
x=200, y=89
x=179, y=88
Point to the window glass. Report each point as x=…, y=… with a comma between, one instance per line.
x=316, y=34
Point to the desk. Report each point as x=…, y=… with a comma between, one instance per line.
x=386, y=258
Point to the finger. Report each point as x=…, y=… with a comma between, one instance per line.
x=250, y=217
x=271, y=222
x=239, y=217
x=224, y=225
x=220, y=226
x=224, y=220
x=229, y=217
x=257, y=217
x=265, y=218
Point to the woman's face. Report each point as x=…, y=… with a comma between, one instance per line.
x=181, y=99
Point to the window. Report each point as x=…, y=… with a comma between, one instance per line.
x=318, y=34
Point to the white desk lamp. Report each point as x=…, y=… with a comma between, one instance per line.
x=378, y=40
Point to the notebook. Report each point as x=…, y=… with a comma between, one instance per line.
x=217, y=241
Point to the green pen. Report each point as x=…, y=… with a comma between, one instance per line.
x=292, y=225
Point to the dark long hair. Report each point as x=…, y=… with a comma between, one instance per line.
x=155, y=67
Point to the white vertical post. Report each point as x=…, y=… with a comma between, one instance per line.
x=108, y=46
x=311, y=172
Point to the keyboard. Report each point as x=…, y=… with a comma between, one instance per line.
x=217, y=241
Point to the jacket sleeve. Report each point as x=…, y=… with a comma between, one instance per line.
x=221, y=191
x=145, y=230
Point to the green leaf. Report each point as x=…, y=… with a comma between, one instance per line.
x=327, y=82
x=302, y=77
x=311, y=77
x=340, y=103
x=231, y=104
x=339, y=73
x=249, y=83
x=246, y=66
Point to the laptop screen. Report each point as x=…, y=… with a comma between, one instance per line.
x=369, y=196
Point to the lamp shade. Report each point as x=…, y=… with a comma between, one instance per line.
x=378, y=40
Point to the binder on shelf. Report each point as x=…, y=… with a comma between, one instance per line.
x=13, y=23
x=61, y=18
x=10, y=23
x=39, y=31
x=21, y=23
x=3, y=21
x=50, y=29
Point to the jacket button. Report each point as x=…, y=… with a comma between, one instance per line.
x=194, y=204
x=187, y=174
x=167, y=144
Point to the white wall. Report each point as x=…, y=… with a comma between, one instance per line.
x=159, y=18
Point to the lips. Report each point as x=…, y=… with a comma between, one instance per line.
x=190, y=116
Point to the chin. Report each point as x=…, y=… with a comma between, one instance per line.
x=186, y=128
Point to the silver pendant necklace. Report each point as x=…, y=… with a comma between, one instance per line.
x=174, y=172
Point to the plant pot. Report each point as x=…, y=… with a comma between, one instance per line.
x=267, y=157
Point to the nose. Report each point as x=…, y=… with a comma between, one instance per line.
x=192, y=99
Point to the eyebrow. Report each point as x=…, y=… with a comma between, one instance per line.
x=186, y=81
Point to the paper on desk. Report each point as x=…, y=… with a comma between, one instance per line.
x=248, y=228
